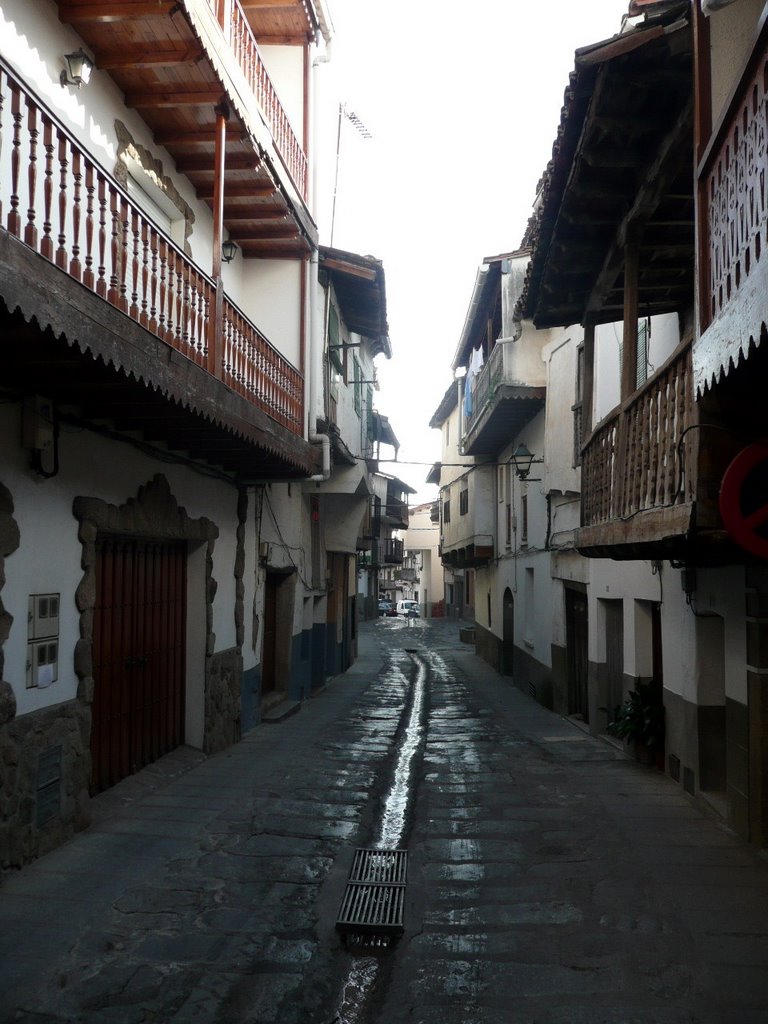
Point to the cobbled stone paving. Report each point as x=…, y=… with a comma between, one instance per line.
x=551, y=880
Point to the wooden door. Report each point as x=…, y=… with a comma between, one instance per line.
x=508, y=633
x=614, y=650
x=269, y=648
x=139, y=641
x=576, y=633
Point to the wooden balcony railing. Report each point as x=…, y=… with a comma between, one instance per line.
x=733, y=193
x=63, y=205
x=635, y=458
x=392, y=551
x=236, y=29
x=486, y=383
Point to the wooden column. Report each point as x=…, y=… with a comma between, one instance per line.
x=216, y=322
x=587, y=400
x=631, y=309
x=702, y=128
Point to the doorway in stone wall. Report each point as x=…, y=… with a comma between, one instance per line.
x=576, y=634
x=139, y=647
x=508, y=633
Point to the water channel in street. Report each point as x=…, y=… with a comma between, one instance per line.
x=363, y=972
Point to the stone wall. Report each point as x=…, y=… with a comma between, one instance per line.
x=45, y=764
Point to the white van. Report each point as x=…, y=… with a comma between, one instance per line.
x=409, y=608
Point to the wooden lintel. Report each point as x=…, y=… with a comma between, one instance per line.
x=182, y=98
x=114, y=10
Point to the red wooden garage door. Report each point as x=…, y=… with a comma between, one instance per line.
x=139, y=637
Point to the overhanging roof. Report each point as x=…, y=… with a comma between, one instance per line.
x=448, y=403
x=622, y=161
x=362, y=293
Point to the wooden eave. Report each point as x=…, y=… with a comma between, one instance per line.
x=622, y=162
x=152, y=52
x=360, y=288
x=508, y=410
x=105, y=372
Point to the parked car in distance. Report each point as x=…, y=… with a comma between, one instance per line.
x=386, y=608
x=409, y=608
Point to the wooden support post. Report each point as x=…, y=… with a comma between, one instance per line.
x=216, y=321
x=589, y=381
x=631, y=309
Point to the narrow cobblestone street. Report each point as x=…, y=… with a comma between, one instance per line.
x=550, y=878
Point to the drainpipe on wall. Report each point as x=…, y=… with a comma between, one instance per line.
x=316, y=327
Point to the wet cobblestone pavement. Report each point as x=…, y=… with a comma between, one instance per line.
x=551, y=880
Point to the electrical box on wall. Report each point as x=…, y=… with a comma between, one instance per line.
x=42, y=640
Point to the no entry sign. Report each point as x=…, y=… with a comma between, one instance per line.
x=744, y=499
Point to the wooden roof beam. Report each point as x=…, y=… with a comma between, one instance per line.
x=141, y=57
x=657, y=177
x=233, y=214
x=238, y=190
x=183, y=98
x=287, y=232
x=204, y=163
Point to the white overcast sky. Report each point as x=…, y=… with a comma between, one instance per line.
x=463, y=102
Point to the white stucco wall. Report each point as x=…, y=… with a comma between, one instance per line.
x=560, y=355
x=285, y=67
x=48, y=559
x=664, y=339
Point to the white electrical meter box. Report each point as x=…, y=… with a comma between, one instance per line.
x=43, y=640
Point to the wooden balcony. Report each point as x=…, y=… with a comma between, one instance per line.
x=391, y=551
x=200, y=59
x=59, y=207
x=240, y=35
x=501, y=405
x=733, y=226
x=639, y=471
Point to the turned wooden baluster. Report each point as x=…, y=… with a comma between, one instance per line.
x=125, y=227
x=30, y=230
x=14, y=218
x=133, y=310
x=170, y=279
x=153, y=247
x=88, y=276
x=61, y=251
x=75, y=268
x=181, y=273
x=163, y=259
x=101, y=281
x=114, y=247
x=46, y=244
x=143, y=315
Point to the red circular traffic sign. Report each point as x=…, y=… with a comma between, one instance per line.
x=744, y=499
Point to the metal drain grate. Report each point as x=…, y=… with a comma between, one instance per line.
x=374, y=899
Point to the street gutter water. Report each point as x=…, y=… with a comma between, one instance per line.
x=357, y=987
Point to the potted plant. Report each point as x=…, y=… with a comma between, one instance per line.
x=640, y=721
